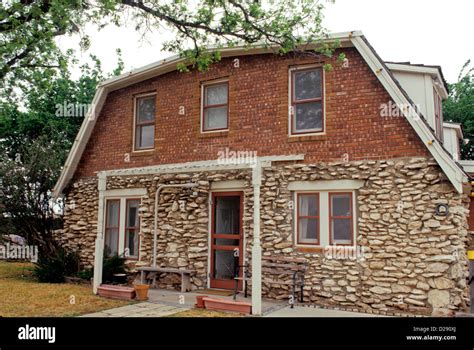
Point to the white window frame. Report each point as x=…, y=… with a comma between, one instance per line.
x=324, y=216
x=122, y=195
x=203, y=86
x=290, y=106
x=135, y=98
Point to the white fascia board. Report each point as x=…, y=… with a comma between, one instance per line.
x=452, y=171
x=169, y=64
x=80, y=141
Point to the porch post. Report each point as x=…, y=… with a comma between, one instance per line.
x=99, y=242
x=256, y=246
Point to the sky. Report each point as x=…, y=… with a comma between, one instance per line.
x=432, y=32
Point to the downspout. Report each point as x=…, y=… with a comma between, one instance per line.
x=155, y=224
x=256, y=246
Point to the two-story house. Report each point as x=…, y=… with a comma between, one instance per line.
x=273, y=155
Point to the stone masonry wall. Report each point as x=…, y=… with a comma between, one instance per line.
x=415, y=261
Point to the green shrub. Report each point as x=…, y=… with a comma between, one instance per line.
x=112, y=265
x=86, y=274
x=53, y=268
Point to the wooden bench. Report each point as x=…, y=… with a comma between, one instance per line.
x=185, y=275
x=279, y=266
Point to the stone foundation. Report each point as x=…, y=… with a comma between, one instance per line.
x=414, y=262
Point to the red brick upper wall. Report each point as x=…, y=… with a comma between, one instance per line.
x=258, y=117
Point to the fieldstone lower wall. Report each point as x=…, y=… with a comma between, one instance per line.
x=414, y=261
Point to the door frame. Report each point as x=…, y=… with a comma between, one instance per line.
x=217, y=284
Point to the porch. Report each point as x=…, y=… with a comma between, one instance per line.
x=188, y=299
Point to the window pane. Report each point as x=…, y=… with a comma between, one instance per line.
x=147, y=133
x=227, y=215
x=225, y=263
x=308, y=116
x=111, y=241
x=307, y=84
x=308, y=205
x=113, y=213
x=308, y=230
x=216, y=94
x=341, y=230
x=132, y=213
x=215, y=118
x=146, y=109
x=131, y=243
x=341, y=205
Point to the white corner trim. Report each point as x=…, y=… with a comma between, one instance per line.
x=325, y=185
x=228, y=185
x=126, y=192
x=452, y=171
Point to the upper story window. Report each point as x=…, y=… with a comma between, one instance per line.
x=215, y=106
x=145, y=107
x=438, y=107
x=307, y=110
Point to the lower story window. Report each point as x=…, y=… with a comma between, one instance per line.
x=112, y=223
x=308, y=218
x=341, y=218
x=132, y=229
x=325, y=218
x=122, y=236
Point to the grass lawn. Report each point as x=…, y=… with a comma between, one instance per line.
x=21, y=295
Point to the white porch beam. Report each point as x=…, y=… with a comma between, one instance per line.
x=256, y=246
x=99, y=241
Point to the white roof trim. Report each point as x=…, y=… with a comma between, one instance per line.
x=449, y=166
x=454, y=173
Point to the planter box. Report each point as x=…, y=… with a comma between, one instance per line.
x=116, y=292
x=200, y=301
x=228, y=305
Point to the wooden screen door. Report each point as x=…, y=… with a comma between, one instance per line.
x=226, y=239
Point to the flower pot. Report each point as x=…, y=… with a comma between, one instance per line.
x=142, y=291
x=200, y=301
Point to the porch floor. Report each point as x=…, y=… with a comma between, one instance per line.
x=188, y=299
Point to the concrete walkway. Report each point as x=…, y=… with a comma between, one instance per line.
x=145, y=309
x=308, y=311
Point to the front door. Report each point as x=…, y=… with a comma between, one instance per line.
x=226, y=239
